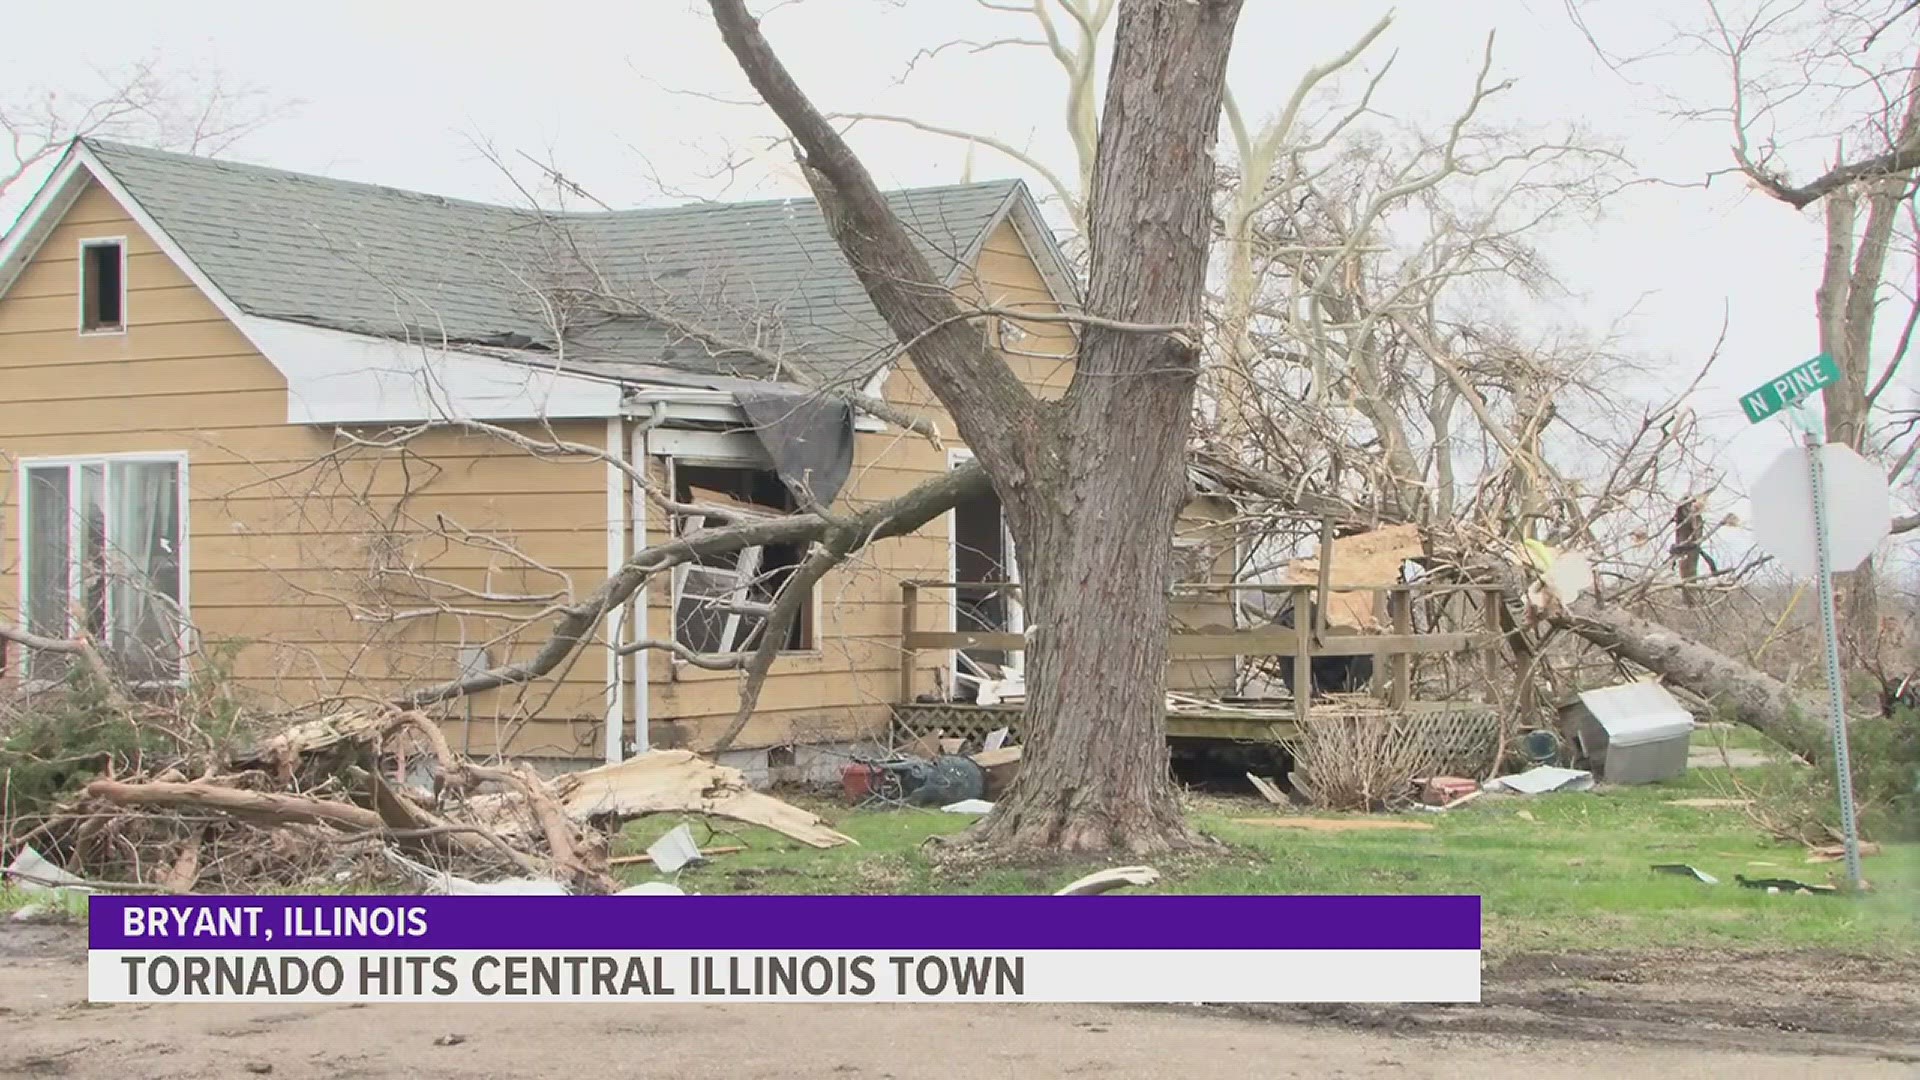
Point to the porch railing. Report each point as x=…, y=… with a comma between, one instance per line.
x=1393, y=651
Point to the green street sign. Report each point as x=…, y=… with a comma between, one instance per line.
x=1778, y=393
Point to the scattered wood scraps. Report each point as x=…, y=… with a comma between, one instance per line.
x=1836, y=852
x=1356, y=824
x=643, y=857
x=679, y=781
x=1267, y=789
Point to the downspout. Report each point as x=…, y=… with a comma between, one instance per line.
x=616, y=714
x=642, y=708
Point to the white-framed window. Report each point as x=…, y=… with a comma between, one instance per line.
x=103, y=285
x=103, y=543
x=721, y=602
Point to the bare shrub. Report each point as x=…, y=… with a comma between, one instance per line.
x=1360, y=756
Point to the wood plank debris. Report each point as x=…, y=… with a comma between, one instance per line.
x=1356, y=824
x=643, y=857
x=1268, y=789
x=278, y=812
x=1836, y=852
x=1368, y=558
x=1119, y=877
x=679, y=781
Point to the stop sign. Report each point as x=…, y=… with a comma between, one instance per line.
x=1858, y=505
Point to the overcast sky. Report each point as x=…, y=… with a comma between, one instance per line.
x=397, y=93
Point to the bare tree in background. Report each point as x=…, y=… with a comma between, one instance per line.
x=1092, y=483
x=192, y=112
x=1822, y=112
x=1857, y=60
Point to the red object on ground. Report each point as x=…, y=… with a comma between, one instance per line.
x=858, y=781
x=1442, y=790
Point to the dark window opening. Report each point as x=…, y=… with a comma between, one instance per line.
x=722, y=602
x=101, y=287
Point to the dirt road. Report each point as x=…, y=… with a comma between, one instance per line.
x=1752, y=1018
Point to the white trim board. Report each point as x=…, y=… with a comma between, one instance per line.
x=183, y=509
x=119, y=329
x=639, y=607
x=1016, y=611
x=340, y=378
x=333, y=377
x=614, y=621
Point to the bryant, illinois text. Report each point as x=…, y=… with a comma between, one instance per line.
x=329, y=921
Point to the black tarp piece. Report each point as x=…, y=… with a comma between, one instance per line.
x=808, y=435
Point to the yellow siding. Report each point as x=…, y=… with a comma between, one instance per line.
x=843, y=691
x=285, y=522
x=303, y=547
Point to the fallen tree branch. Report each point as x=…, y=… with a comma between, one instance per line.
x=1759, y=700
x=264, y=807
x=897, y=517
x=81, y=646
x=838, y=542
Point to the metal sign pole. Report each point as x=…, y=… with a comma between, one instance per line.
x=1836, y=699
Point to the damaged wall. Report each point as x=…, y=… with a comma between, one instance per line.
x=842, y=690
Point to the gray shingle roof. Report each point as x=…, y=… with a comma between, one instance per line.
x=377, y=260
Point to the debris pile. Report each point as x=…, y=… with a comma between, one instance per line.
x=933, y=772
x=364, y=794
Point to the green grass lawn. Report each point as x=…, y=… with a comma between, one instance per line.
x=1562, y=871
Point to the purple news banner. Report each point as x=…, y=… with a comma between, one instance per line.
x=814, y=923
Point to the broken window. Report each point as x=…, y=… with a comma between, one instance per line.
x=722, y=602
x=102, y=286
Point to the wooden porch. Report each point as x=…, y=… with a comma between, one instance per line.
x=1236, y=718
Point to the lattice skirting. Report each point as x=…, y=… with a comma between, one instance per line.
x=970, y=722
x=1464, y=735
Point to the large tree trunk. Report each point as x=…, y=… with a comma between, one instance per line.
x=1091, y=484
x=1094, y=772
x=1094, y=528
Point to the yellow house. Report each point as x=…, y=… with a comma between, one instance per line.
x=331, y=440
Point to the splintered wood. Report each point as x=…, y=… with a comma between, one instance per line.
x=1369, y=558
x=678, y=781
x=292, y=806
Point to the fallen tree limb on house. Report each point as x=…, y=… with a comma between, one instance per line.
x=577, y=623
x=1757, y=699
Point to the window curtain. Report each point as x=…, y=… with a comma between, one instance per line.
x=143, y=601
x=49, y=565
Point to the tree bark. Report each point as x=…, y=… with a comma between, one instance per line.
x=1095, y=538
x=1757, y=699
x=1092, y=484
